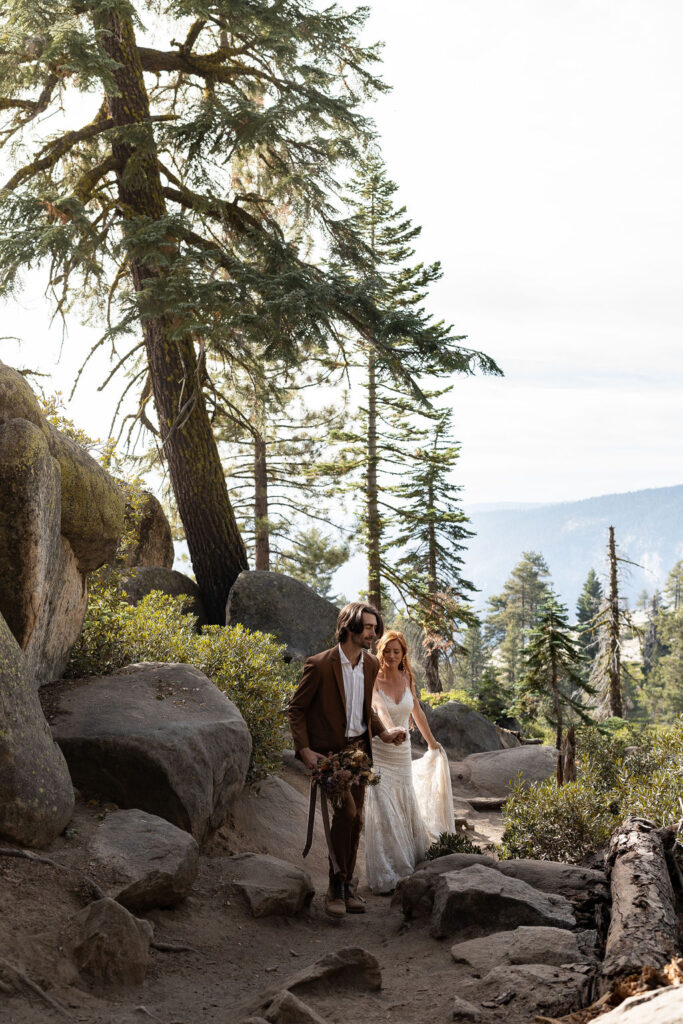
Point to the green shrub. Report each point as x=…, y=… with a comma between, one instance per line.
x=247, y=666
x=435, y=700
x=450, y=842
x=627, y=770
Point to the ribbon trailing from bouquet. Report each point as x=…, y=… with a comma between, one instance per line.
x=324, y=810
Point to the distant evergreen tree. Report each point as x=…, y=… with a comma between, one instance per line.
x=673, y=590
x=431, y=534
x=587, y=610
x=515, y=611
x=313, y=557
x=551, y=663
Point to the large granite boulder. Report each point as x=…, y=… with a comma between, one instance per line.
x=143, y=579
x=463, y=731
x=158, y=737
x=61, y=516
x=148, y=532
x=143, y=861
x=274, y=603
x=479, y=900
x=36, y=795
x=491, y=773
x=269, y=885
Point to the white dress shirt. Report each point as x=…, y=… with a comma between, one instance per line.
x=354, y=691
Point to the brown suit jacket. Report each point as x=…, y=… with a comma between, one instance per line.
x=317, y=711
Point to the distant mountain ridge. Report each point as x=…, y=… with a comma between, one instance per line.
x=572, y=537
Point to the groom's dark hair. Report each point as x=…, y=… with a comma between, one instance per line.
x=351, y=620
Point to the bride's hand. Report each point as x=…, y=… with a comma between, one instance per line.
x=394, y=736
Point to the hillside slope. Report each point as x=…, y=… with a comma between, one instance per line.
x=572, y=536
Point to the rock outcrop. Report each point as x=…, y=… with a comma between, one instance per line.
x=274, y=603
x=142, y=861
x=269, y=885
x=463, y=731
x=143, y=579
x=148, y=533
x=61, y=516
x=36, y=795
x=524, y=945
x=158, y=737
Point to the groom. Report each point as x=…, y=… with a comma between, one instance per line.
x=330, y=710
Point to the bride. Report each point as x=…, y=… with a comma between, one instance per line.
x=413, y=802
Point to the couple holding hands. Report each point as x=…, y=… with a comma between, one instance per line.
x=348, y=697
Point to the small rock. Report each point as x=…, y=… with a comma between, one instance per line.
x=525, y=945
x=481, y=900
x=143, y=861
x=287, y=1009
x=108, y=944
x=351, y=966
x=464, y=1012
x=270, y=886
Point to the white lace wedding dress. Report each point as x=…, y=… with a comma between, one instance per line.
x=395, y=833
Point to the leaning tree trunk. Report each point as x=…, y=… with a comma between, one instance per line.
x=213, y=538
x=614, y=657
x=261, y=527
x=643, y=931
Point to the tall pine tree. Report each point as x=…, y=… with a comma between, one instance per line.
x=432, y=531
x=134, y=209
x=377, y=451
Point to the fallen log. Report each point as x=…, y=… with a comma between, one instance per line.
x=644, y=930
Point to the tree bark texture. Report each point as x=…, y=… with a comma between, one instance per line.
x=566, y=759
x=644, y=928
x=216, y=547
x=614, y=655
x=373, y=543
x=261, y=528
x=432, y=667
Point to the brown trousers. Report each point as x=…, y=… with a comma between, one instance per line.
x=347, y=824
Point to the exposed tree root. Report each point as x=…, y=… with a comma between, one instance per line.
x=33, y=987
x=10, y=851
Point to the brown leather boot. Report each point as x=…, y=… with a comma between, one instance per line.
x=354, y=904
x=334, y=899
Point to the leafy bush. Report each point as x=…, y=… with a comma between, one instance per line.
x=435, y=700
x=627, y=770
x=247, y=666
x=450, y=842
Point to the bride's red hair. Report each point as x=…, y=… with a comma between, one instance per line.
x=404, y=666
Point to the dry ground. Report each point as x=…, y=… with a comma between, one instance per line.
x=234, y=957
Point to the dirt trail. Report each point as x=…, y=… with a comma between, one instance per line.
x=235, y=957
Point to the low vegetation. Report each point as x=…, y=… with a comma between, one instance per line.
x=247, y=666
x=623, y=770
x=450, y=842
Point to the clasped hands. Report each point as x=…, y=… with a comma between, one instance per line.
x=396, y=736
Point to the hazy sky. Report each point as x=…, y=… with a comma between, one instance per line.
x=540, y=145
